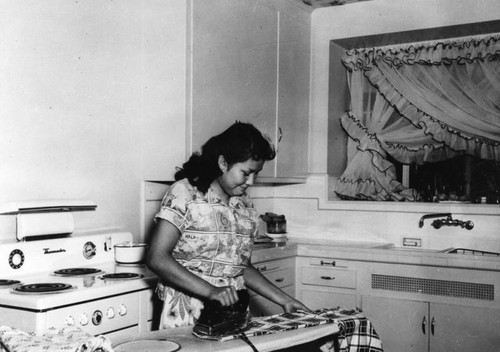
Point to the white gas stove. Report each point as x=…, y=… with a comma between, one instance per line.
x=74, y=280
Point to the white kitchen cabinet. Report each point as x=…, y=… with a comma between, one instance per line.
x=163, y=82
x=282, y=274
x=317, y=298
x=407, y=325
x=258, y=72
x=293, y=97
x=326, y=283
x=431, y=308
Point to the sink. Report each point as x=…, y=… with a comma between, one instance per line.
x=471, y=252
x=392, y=247
x=463, y=251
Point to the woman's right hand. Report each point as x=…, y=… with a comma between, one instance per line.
x=225, y=295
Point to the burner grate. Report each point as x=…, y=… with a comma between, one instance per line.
x=121, y=276
x=77, y=271
x=42, y=288
x=8, y=283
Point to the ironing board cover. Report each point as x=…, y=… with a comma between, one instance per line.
x=356, y=332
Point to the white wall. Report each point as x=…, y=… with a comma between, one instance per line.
x=78, y=79
x=305, y=205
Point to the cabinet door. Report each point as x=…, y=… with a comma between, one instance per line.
x=234, y=67
x=316, y=298
x=460, y=328
x=293, y=97
x=402, y=325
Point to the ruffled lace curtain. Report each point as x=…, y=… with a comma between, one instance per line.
x=430, y=101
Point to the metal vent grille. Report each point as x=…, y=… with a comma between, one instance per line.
x=433, y=287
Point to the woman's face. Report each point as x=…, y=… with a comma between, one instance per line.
x=236, y=178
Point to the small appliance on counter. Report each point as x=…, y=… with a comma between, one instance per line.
x=272, y=231
x=276, y=224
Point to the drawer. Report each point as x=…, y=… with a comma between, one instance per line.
x=329, y=277
x=265, y=267
x=280, y=278
x=328, y=262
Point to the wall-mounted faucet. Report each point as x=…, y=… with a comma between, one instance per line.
x=445, y=222
x=431, y=216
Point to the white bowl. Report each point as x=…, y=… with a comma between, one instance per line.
x=130, y=252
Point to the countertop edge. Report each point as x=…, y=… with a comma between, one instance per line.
x=376, y=252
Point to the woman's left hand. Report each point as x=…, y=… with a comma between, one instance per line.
x=293, y=305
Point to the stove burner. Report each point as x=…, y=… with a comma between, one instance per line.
x=121, y=276
x=41, y=288
x=77, y=271
x=7, y=283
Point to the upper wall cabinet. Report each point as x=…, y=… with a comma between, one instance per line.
x=163, y=75
x=250, y=62
x=293, y=97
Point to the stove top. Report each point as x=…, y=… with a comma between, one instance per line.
x=79, y=268
x=112, y=279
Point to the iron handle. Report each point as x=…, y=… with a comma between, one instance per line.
x=424, y=323
x=328, y=277
x=433, y=322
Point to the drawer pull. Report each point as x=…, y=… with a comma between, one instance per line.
x=328, y=277
x=281, y=279
x=267, y=268
x=332, y=263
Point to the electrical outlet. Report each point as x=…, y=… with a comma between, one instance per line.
x=412, y=242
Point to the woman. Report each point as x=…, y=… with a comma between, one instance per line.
x=202, y=242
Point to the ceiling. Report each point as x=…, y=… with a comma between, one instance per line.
x=316, y=4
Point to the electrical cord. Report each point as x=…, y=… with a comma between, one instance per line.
x=249, y=343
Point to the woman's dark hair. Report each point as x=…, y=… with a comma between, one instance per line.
x=239, y=143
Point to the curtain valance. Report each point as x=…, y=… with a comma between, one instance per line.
x=461, y=50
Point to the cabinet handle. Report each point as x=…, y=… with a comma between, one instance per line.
x=328, y=277
x=424, y=322
x=280, y=134
x=332, y=263
x=281, y=279
x=433, y=322
x=268, y=267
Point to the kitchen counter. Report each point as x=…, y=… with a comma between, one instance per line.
x=374, y=252
x=189, y=343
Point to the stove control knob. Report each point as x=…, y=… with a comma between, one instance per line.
x=16, y=259
x=122, y=310
x=89, y=250
x=84, y=319
x=110, y=313
x=97, y=317
x=70, y=321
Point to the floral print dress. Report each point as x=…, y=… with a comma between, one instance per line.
x=215, y=244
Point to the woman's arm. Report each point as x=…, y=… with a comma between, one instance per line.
x=160, y=260
x=260, y=284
